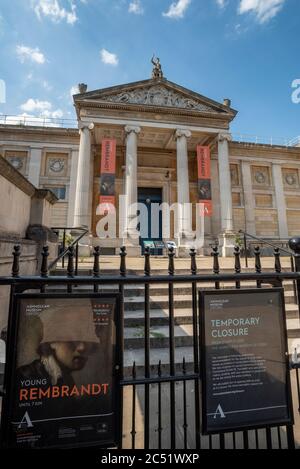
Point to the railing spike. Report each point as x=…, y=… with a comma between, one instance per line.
x=215, y=255
x=44, y=266
x=16, y=261
x=277, y=260
x=70, y=268
x=171, y=254
x=123, y=255
x=237, y=254
x=257, y=259
x=193, y=261
x=96, y=267
x=147, y=268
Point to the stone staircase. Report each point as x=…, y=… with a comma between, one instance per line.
x=134, y=323
x=183, y=330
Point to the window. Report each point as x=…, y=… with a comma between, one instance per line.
x=60, y=192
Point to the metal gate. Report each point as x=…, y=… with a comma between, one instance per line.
x=162, y=391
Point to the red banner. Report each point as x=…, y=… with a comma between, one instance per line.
x=204, y=180
x=108, y=172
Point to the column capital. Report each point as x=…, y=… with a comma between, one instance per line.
x=131, y=128
x=223, y=137
x=183, y=133
x=85, y=126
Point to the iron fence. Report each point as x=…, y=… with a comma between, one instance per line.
x=162, y=397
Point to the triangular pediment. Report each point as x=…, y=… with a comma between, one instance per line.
x=159, y=93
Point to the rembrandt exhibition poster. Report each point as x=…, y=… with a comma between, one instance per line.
x=64, y=389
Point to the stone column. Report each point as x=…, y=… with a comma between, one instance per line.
x=131, y=177
x=35, y=166
x=226, y=238
x=248, y=198
x=72, y=187
x=183, y=185
x=82, y=210
x=280, y=201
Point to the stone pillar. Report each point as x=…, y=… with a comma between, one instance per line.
x=72, y=188
x=248, y=198
x=227, y=237
x=183, y=184
x=131, y=241
x=82, y=210
x=280, y=201
x=35, y=166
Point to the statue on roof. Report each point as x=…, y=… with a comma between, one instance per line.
x=157, y=71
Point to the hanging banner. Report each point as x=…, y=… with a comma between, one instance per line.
x=108, y=172
x=204, y=180
x=63, y=378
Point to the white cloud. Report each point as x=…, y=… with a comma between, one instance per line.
x=136, y=7
x=108, y=57
x=263, y=9
x=55, y=11
x=221, y=3
x=27, y=53
x=42, y=108
x=74, y=90
x=177, y=9
x=33, y=105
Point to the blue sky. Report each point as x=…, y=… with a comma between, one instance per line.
x=246, y=50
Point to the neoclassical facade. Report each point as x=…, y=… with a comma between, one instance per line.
x=157, y=126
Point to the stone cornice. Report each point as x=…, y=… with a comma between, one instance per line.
x=46, y=194
x=153, y=109
x=139, y=85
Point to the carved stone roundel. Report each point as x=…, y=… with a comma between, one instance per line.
x=260, y=177
x=57, y=165
x=290, y=179
x=16, y=162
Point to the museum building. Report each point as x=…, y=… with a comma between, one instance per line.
x=158, y=127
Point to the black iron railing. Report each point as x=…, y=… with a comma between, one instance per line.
x=169, y=393
x=73, y=244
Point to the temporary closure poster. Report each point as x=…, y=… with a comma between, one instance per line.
x=64, y=384
x=244, y=363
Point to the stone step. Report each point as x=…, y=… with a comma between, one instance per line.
x=160, y=317
x=132, y=303
x=183, y=335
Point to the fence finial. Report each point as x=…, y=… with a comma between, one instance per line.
x=70, y=268
x=16, y=261
x=96, y=267
x=215, y=254
x=171, y=254
x=123, y=255
x=44, y=266
x=147, y=268
x=193, y=261
x=277, y=260
x=257, y=259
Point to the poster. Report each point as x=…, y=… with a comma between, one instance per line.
x=108, y=172
x=204, y=180
x=245, y=374
x=64, y=388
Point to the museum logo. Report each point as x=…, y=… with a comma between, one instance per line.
x=2, y=92
x=296, y=92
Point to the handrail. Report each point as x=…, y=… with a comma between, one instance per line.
x=263, y=241
x=66, y=250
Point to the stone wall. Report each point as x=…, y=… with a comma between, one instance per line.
x=22, y=206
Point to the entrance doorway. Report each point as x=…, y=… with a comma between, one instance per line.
x=151, y=231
